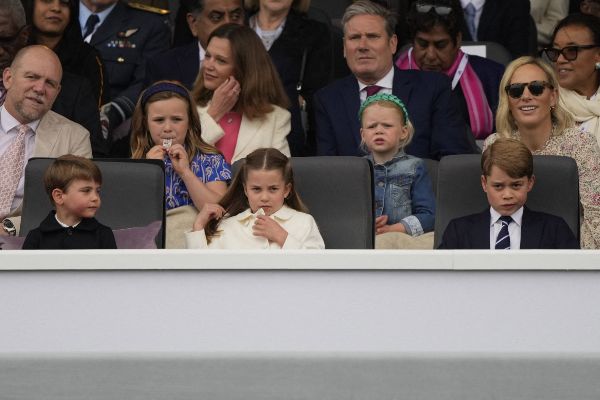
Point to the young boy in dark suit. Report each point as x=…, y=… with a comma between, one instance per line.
x=73, y=184
x=507, y=177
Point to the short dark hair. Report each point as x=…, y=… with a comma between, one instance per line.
x=452, y=23
x=193, y=6
x=510, y=155
x=588, y=21
x=68, y=168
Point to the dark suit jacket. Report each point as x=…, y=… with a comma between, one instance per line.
x=286, y=52
x=125, y=40
x=180, y=64
x=88, y=234
x=507, y=22
x=439, y=127
x=538, y=231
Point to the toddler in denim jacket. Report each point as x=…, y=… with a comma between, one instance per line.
x=404, y=200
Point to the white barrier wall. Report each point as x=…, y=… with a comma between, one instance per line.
x=332, y=301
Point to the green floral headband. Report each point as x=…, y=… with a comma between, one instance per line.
x=383, y=97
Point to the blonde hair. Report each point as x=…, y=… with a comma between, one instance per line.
x=505, y=122
x=300, y=6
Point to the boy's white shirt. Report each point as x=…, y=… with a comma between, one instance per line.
x=236, y=232
x=514, y=228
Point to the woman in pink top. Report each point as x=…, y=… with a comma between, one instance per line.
x=241, y=101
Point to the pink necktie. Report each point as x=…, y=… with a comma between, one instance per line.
x=11, y=169
x=371, y=90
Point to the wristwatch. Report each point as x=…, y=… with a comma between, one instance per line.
x=9, y=227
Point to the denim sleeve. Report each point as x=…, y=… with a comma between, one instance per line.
x=422, y=202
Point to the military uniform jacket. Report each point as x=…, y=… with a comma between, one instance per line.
x=127, y=38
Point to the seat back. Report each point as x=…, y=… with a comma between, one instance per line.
x=432, y=169
x=133, y=194
x=338, y=192
x=492, y=50
x=459, y=191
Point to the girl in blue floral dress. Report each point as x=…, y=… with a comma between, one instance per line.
x=166, y=127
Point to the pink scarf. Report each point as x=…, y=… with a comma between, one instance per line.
x=480, y=113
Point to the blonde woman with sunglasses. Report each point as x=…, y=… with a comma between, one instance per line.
x=529, y=110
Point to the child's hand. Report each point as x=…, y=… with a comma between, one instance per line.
x=156, y=152
x=208, y=212
x=179, y=158
x=268, y=228
x=380, y=223
x=224, y=98
x=382, y=227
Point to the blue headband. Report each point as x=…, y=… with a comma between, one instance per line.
x=164, y=87
x=384, y=97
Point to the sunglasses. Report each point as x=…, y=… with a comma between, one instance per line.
x=536, y=88
x=424, y=8
x=569, y=53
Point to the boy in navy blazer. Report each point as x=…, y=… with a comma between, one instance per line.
x=507, y=177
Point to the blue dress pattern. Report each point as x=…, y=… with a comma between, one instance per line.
x=207, y=167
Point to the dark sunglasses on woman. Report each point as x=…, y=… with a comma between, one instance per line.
x=423, y=7
x=536, y=88
x=569, y=53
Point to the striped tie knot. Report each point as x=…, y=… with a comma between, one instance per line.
x=503, y=238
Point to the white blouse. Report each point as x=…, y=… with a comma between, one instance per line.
x=236, y=232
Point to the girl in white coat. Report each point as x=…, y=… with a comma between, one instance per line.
x=261, y=210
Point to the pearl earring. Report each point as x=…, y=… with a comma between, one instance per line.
x=598, y=65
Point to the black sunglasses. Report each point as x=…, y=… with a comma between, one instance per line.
x=424, y=8
x=569, y=52
x=536, y=88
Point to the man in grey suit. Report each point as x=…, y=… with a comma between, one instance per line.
x=28, y=128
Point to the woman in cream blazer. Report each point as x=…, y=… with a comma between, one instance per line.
x=252, y=133
x=241, y=101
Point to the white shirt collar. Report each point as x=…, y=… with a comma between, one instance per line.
x=478, y=4
x=84, y=14
x=387, y=82
x=63, y=224
x=517, y=216
x=201, y=52
x=283, y=214
x=9, y=122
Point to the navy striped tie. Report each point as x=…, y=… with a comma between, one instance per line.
x=503, y=238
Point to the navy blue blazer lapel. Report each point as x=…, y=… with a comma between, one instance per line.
x=111, y=24
x=402, y=87
x=530, y=231
x=350, y=97
x=481, y=236
x=490, y=10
